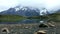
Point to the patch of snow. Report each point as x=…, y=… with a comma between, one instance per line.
x=24, y=9
x=43, y=12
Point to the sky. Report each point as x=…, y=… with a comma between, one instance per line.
x=48, y=4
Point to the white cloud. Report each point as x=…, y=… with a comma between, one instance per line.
x=5, y=4
x=48, y=4
x=53, y=4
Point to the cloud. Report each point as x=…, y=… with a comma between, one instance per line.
x=52, y=4
x=48, y=4
x=6, y=4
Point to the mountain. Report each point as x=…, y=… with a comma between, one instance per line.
x=26, y=11
x=8, y=12
x=44, y=11
x=22, y=11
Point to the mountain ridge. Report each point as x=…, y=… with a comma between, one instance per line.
x=25, y=11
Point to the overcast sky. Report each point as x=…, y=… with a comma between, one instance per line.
x=48, y=4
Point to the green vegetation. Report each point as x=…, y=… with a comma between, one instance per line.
x=34, y=17
x=55, y=17
x=16, y=18
x=11, y=18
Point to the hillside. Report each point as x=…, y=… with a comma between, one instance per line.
x=54, y=17
x=11, y=18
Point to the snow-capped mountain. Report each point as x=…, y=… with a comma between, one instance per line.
x=44, y=12
x=23, y=11
x=27, y=11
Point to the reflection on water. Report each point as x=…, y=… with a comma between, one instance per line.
x=26, y=21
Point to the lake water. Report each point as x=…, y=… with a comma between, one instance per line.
x=26, y=21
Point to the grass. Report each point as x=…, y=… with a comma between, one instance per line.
x=16, y=18
x=11, y=18
x=55, y=17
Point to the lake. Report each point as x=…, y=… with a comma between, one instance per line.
x=26, y=21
